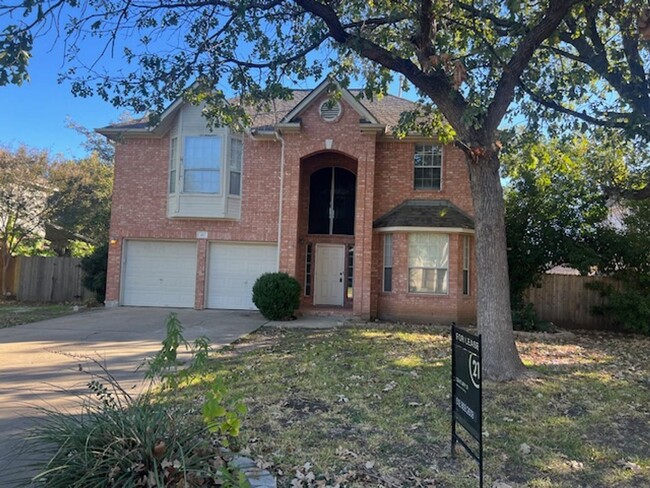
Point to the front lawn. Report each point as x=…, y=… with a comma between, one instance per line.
x=370, y=406
x=13, y=313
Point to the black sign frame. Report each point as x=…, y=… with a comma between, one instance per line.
x=467, y=392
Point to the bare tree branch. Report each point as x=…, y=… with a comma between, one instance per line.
x=435, y=84
x=504, y=94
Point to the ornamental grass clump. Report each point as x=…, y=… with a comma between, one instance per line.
x=142, y=443
x=276, y=295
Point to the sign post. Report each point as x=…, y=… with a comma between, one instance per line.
x=466, y=393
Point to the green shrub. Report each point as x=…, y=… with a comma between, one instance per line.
x=630, y=307
x=94, y=267
x=277, y=295
x=525, y=318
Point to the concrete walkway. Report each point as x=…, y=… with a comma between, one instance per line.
x=46, y=364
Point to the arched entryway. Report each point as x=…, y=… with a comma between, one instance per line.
x=326, y=229
x=331, y=201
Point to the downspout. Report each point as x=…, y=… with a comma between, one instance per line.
x=280, y=138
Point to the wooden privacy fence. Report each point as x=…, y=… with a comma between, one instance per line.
x=48, y=279
x=567, y=302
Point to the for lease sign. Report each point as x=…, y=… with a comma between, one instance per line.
x=466, y=386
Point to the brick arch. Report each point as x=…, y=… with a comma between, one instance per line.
x=309, y=165
x=326, y=159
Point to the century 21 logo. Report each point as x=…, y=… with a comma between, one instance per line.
x=474, y=369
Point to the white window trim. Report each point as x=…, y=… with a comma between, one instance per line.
x=442, y=165
x=173, y=165
x=177, y=163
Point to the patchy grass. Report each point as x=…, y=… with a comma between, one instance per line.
x=13, y=313
x=370, y=406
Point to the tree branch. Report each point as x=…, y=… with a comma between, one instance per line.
x=556, y=11
x=633, y=91
x=435, y=84
x=553, y=105
x=628, y=193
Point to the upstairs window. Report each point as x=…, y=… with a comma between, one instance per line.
x=202, y=164
x=427, y=167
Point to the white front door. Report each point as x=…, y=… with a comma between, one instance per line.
x=329, y=274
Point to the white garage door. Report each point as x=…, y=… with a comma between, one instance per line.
x=233, y=270
x=159, y=274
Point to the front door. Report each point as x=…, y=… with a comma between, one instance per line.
x=329, y=274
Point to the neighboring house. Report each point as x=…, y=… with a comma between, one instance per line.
x=369, y=225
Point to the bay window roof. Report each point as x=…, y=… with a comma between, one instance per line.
x=425, y=214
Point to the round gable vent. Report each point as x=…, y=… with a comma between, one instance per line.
x=329, y=111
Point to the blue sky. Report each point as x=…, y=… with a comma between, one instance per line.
x=35, y=113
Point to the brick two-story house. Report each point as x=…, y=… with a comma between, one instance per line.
x=369, y=224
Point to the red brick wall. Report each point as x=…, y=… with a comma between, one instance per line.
x=394, y=180
x=139, y=208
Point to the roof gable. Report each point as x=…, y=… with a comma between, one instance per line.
x=350, y=99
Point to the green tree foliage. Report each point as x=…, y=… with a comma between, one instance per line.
x=556, y=210
x=625, y=254
x=81, y=197
x=557, y=213
x=94, y=267
x=23, y=202
x=470, y=62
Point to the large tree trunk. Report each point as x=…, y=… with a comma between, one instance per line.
x=501, y=360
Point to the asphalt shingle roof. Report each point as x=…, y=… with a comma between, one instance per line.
x=387, y=111
x=425, y=213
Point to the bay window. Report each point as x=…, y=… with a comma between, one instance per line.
x=429, y=263
x=388, y=262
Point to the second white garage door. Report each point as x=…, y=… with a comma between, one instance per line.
x=232, y=271
x=159, y=274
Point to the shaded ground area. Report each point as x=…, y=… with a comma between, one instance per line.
x=369, y=405
x=16, y=313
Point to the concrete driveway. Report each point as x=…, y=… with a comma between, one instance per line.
x=45, y=364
